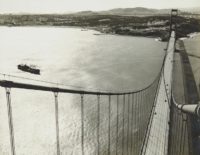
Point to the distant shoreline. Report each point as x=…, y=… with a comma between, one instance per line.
x=149, y=26
x=76, y=27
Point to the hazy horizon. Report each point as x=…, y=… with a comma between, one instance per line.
x=69, y=6
x=71, y=12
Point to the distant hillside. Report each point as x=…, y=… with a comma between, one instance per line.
x=86, y=13
x=138, y=11
x=135, y=11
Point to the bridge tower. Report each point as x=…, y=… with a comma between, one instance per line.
x=174, y=14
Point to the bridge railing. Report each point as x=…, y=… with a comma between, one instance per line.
x=121, y=118
x=182, y=127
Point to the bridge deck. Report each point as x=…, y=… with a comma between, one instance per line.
x=158, y=135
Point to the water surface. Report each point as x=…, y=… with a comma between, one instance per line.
x=71, y=57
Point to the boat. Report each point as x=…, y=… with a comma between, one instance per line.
x=84, y=29
x=31, y=69
x=97, y=34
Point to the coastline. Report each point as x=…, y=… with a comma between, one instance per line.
x=147, y=26
x=191, y=35
x=96, y=29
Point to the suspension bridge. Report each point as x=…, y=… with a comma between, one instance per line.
x=150, y=121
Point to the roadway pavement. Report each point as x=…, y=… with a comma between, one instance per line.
x=157, y=138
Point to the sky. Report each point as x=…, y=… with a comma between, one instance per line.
x=65, y=6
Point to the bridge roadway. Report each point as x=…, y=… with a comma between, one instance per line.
x=156, y=142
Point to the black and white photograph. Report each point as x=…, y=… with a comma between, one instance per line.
x=99, y=77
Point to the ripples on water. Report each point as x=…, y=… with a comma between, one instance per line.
x=73, y=57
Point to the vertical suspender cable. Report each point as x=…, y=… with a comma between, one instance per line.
x=123, y=124
x=132, y=103
x=10, y=121
x=117, y=124
x=128, y=123
x=142, y=117
x=172, y=130
x=151, y=99
x=146, y=113
x=137, y=122
x=145, y=122
x=182, y=135
x=187, y=131
x=98, y=124
x=82, y=124
x=146, y=110
x=148, y=103
x=176, y=130
x=139, y=118
x=179, y=131
x=142, y=120
x=57, y=122
x=109, y=115
x=171, y=137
